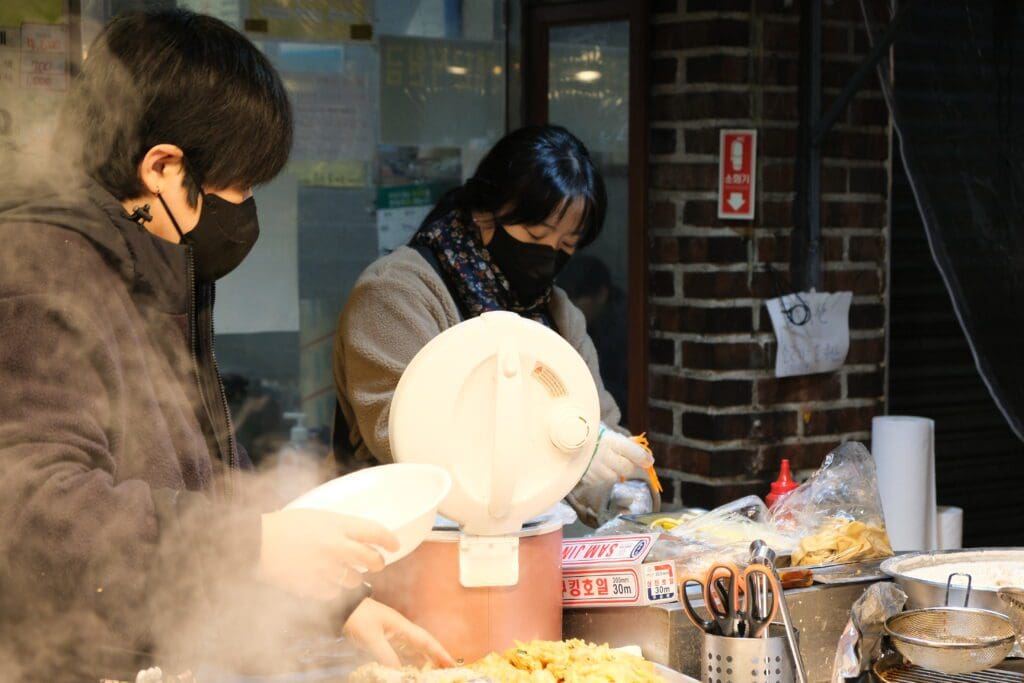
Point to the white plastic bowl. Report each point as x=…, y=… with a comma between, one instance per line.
x=401, y=497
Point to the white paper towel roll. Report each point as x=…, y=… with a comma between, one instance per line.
x=951, y=528
x=904, y=451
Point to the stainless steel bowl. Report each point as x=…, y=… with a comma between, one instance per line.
x=924, y=593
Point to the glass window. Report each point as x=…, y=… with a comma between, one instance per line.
x=588, y=93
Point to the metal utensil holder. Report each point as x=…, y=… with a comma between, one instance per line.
x=746, y=660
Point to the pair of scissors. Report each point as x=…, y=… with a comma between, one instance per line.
x=762, y=595
x=741, y=604
x=719, y=591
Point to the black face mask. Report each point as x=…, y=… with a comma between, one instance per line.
x=223, y=237
x=529, y=268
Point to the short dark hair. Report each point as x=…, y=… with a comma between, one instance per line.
x=181, y=78
x=529, y=175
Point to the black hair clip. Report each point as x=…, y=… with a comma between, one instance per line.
x=141, y=214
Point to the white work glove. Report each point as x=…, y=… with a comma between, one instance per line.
x=602, y=492
x=616, y=457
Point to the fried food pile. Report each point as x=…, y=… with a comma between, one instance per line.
x=539, y=661
x=840, y=540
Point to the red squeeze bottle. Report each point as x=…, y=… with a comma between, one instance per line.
x=781, y=486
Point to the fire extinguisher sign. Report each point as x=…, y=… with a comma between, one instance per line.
x=736, y=164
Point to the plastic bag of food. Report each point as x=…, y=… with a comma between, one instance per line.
x=736, y=524
x=837, y=513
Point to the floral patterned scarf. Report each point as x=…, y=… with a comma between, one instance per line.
x=476, y=282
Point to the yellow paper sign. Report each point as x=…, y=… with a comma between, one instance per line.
x=314, y=20
x=344, y=173
x=16, y=12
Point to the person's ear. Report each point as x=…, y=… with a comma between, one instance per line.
x=162, y=168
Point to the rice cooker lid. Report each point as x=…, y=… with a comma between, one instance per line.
x=508, y=408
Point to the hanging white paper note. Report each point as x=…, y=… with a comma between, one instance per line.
x=821, y=343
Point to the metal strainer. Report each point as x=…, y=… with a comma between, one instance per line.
x=952, y=640
x=1013, y=598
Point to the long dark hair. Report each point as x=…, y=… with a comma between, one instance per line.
x=529, y=175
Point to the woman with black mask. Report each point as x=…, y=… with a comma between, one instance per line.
x=494, y=244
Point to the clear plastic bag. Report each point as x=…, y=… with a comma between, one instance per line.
x=736, y=524
x=837, y=513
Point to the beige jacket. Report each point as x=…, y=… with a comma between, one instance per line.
x=399, y=304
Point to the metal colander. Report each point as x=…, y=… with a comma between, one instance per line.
x=952, y=640
x=1013, y=599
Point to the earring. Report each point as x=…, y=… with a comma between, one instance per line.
x=141, y=214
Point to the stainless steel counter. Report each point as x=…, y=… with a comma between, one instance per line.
x=667, y=636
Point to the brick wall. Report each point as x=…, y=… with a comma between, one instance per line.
x=719, y=419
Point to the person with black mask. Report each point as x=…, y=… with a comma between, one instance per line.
x=494, y=244
x=130, y=533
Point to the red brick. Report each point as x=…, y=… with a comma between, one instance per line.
x=839, y=421
x=664, y=250
x=865, y=385
x=855, y=214
x=803, y=389
x=684, y=176
x=701, y=141
x=700, y=105
x=717, y=320
x=860, y=282
x=866, y=351
x=774, y=249
x=721, y=393
x=662, y=283
x=776, y=214
x=701, y=33
x=663, y=141
x=802, y=456
x=775, y=425
x=832, y=248
x=663, y=70
x=662, y=351
x=710, y=495
x=712, y=250
x=835, y=40
x=867, y=316
x=835, y=74
x=666, y=318
x=717, y=69
x=867, y=249
x=717, y=5
x=726, y=285
x=778, y=142
x=780, y=70
x=723, y=356
x=781, y=36
x=777, y=177
x=716, y=427
x=845, y=144
x=833, y=179
x=701, y=213
x=707, y=463
x=868, y=111
x=698, y=392
x=779, y=106
x=661, y=420
x=663, y=215
x=869, y=180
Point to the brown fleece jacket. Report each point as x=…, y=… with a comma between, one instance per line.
x=398, y=305
x=119, y=531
